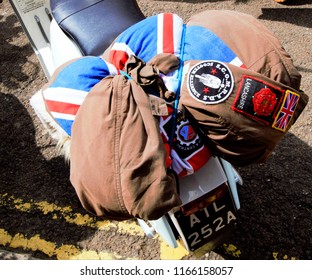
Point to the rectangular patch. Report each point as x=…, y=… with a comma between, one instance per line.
x=258, y=100
x=286, y=111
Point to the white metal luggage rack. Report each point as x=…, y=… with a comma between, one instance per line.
x=35, y=19
x=191, y=188
x=44, y=34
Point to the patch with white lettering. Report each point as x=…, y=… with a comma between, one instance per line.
x=210, y=82
x=258, y=100
x=205, y=219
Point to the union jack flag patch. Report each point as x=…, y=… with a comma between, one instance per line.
x=286, y=111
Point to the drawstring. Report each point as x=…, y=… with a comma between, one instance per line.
x=126, y=75
x=177, y=95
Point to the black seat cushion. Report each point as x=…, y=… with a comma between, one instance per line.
x=94, y=24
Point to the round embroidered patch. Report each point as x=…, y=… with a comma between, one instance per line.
x=210, y=82
x=186, y=134
x=187, y=141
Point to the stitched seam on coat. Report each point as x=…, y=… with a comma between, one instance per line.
x=117, y=92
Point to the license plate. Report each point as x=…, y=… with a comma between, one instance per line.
x=208, y=220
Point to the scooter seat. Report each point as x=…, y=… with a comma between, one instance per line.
x=94, y=24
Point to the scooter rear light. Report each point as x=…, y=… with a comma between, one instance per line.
x=205, y=200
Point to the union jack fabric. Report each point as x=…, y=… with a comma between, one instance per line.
x=64, y=97
x=162, y=33
x=287, y=110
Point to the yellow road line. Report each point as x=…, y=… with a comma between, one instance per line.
x=71, y=251
x=232, y=250
x=67, y=213
x=64, y=252
x=285, y=257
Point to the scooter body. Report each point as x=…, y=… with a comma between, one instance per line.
x=88, y=27
x=210, y=198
